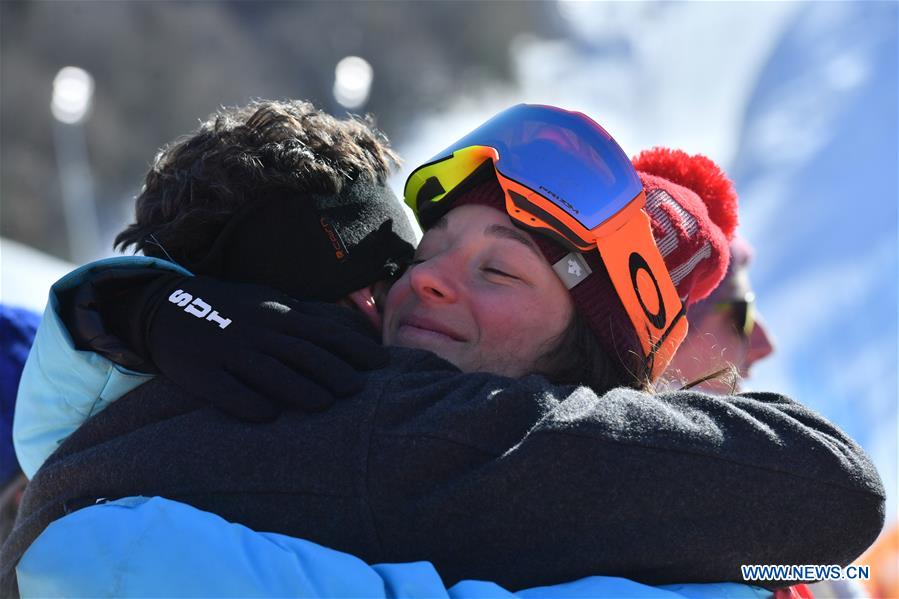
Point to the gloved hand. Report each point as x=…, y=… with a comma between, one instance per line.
x=246, y=349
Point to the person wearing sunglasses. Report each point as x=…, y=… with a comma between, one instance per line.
x=507, y=478
x=726, y=336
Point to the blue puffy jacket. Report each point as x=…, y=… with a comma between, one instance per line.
x=155, y=547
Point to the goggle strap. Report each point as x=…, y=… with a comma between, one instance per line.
x=643, y=284
x=679, y=318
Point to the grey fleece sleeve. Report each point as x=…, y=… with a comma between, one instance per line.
x=527, y=484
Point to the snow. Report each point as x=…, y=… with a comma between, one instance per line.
x=26, y=275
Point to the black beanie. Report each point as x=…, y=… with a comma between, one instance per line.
x=313, y=247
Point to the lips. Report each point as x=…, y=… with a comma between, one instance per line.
x=426, y=326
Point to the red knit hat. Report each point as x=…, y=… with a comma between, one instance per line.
x=693, y=210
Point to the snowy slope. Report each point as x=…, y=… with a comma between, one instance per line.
x=26, y=275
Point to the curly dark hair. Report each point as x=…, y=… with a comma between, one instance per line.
x=240, y=154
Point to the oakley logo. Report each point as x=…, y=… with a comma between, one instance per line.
x=638, y=264
x=197, y=307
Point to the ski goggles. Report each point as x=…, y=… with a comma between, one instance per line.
x=566, y=178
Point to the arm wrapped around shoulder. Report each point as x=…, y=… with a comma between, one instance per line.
x=708, y=483
x=781, y=484
x=662, y=488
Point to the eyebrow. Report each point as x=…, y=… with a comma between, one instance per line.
x=513, y=234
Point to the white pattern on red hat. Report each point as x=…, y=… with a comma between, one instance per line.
x=668, y=243
x=679, y=272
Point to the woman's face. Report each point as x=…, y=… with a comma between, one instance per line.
x=479, y=294
x=713, y=343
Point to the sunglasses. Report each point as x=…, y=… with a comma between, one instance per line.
x=566, y=178
x=742, y=313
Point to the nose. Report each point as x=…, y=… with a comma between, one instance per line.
x=760, y=344
x=433, y=281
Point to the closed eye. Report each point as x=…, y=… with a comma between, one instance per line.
x=496, y=271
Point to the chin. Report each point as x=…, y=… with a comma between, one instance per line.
x=446, y=355
x=501, y=368
x=422, y=345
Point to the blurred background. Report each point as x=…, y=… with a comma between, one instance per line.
x=798, y=102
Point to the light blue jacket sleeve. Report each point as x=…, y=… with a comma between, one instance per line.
x=61, y=386
x=157, y=547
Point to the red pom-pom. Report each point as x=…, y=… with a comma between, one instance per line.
x=698, y=174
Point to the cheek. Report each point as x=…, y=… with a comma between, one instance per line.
x=379, y=290
x=522, y=328
x=713, y=344
x=396, y=297
x=727, y=337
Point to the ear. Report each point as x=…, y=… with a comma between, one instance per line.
x=364, y=300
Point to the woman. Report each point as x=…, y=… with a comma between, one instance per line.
x=563, y=178
x=499, y=475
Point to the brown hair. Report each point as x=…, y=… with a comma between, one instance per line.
x=728, y=376
x=240, y=154
x=577, y=358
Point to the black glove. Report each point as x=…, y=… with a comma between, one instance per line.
x=246, y=349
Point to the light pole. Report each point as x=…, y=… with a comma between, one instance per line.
x=73, y=90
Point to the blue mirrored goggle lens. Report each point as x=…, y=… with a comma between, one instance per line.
x=564, y=156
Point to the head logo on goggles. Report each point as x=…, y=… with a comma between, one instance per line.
x=566, y=178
